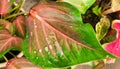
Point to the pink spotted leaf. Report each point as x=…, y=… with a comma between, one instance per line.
x=57, y=37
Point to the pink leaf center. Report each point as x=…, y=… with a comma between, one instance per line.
x=114, y=47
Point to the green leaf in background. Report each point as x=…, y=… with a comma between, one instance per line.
x=82, y=5
x=58, y=39
x=97, y=10
x=13, y=1
x=102, y=27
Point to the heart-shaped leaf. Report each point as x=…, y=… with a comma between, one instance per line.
x=82, y=5
x=114, y=47
x=20, y=26
x=5, y=6
x=57, y=38
x=7, y=41
x=20, y=63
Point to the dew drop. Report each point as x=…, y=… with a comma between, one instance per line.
x=40, y=50
x=107, y=56
x=46, y=49
x=46, y=38
x=35, y=52
x=35, y=26
x=36, y=57
x=117, y=49
x=27, y=36
x=31, y=33
x=71, y=26
x=50, y=46
x=8, y=0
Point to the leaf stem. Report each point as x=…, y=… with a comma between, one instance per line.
x=5, y=58
x=14, y=8
x=21, y=5
x=12, y=54
x=14, y=15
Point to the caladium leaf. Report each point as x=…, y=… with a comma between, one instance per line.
x=114, y=47
x=102, y=27
x=82, y=5
x=56, y=38
x=20, y=63
x=5, y=6
x=6, y=25
x=7, y=41
x=20, y=26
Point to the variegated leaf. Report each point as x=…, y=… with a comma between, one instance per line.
x=58, y=38
x=102, y=27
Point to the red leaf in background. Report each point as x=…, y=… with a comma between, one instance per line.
x=19, y=23
x=20, y=63
x=5, y=6
x=114, y=47
x=7, y=40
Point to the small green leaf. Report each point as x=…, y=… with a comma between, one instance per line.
x=97, y=10
x=102, y=27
